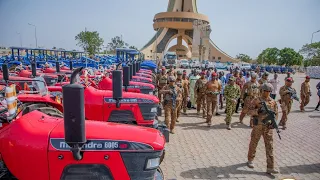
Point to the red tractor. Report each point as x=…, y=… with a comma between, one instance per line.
x=44, y=145
x=132, y=108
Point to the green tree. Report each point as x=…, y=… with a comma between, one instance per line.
x=311, y=53
x=115, y=43
x=91, y=42
x=244, y=58
x=133, y=47
x=269, y=56
x=289, y=57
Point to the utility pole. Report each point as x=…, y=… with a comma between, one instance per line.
x=35, y=33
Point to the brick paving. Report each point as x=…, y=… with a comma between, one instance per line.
x=199, y=152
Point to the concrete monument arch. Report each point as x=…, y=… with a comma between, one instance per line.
x=182, y=21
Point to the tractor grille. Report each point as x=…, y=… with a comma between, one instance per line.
x=86, y=172
x=135, y=163
x=148, y=111
x=121, y=116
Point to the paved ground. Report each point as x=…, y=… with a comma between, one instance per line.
x=199, y=152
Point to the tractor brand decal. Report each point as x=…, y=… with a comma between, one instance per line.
x=129, y=100
x=102, y=145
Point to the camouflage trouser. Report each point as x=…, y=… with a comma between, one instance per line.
x=179, y=107
x=304, y=101
x=230, y=109
x=286, y=108
x=211, y=106
x=192, y=98
x=170, y=115
x=160, y=95
x=245, y=109
x=201, y=103
x=184, y=102
x=267, y=135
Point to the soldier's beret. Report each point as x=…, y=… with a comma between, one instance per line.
x=289, y=79
x=307, y=77
x=232, y=78
x=214, y=74
x=267, y=87
x=163, y=68
x=202, y=73
x=185, y=72
x=179, y=73
x=172, y=79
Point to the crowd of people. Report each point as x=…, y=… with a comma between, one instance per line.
x=207, y=91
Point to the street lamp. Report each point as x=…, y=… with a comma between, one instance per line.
x=35, y=33
x=20, y=38
x=312, y=35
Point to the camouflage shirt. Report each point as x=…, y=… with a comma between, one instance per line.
x=231, y=92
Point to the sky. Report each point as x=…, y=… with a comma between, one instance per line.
x=238, y=26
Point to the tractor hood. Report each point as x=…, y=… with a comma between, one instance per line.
x=102, y=136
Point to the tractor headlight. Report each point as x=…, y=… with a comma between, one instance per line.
x=153, y=163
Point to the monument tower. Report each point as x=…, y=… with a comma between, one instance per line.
x=182, y=21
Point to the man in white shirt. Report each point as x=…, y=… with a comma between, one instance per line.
x=275, y=83
x=247, y=77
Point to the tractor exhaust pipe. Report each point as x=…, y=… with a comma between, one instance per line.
x=117, y=86
x=131, y=70
x=70, y=65
x=74, y=118
x=126, y=77
x=134, y=68
x=57, y=66
x=5, y=72
x=74, y=75
x=33, y=69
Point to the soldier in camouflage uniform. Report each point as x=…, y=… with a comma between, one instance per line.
x=264, y=78
x=249, y=92
x=286, y=102
x=261, y=129
x=171, y=92
x=199, y=88
x=305, y=93
x=231, y=93
x=185, y=86
x=212, y=90
x=162, y=80
x=179, y=97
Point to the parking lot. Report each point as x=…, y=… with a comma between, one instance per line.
x=199, y=152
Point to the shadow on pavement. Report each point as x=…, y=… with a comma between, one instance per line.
x=301, y=169
x=314, y=116
x=203, y=126
x=215, y=172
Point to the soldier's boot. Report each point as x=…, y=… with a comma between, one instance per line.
x=250, y=164
x=198, y=113
x=172, y=131
x=284, y=127
x=229, y=126
x=272, y=171
x=317, y=108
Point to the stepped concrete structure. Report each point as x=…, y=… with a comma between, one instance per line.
x=183, y=22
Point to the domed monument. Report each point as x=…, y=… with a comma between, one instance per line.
x=183, y=22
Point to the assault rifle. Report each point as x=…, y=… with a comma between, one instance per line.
x=293, y=94
x=271, y=118
x=174, y=96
